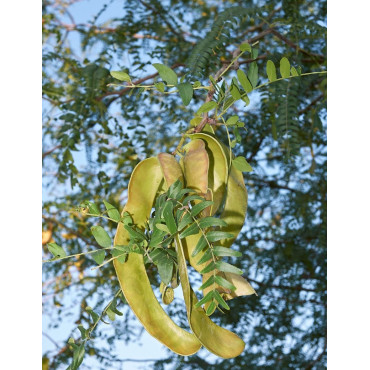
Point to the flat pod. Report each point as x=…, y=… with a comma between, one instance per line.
x=171, y=169
x=218, y=167
x=216, y=339
x=233, y=214
x=216, y=182
x=195, y=166
x=144, y=183
x=235, y=208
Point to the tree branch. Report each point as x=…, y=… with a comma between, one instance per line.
x=273, y=184
x=273, y=286
x=320, y=57
x=104, y=30
x=71, y=231
x=164, y=18
x=137, y=82
x=304, y=110
x=51, y=340
x=311, y=365
x=48, y=152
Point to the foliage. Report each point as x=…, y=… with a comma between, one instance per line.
x=97, y=127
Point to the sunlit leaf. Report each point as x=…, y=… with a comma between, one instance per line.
x=226, y=267
x=56, y=250
x=253, y=74
x=112, y=211
x=101, y=236
x=243, y=79
x=186, y=92
x=241, y=164
x=206, y=107
x=271, y=70
x=166, y=73
x=98, y=256
x=284, y=67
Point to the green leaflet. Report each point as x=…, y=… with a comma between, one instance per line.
x=186, y=220
x=220, y=300
x=78, y=356
x=165, y=269
x=211, y=308
x=253, y=74
x=242, y=77
x=226, y=267
x=206, y=257
x=241, y=164
x=191, y=198
x=112, y=211
x=206, y=107
x=214, y=236
x=205, y=299
x=284, y=67
x=225, y=252
x=186, y=92
x=271, y=71
x=210, y=221
x=56, y=250
x=202, y=242
x=98, y=256
x=161, y=227
x=101, y=236
x=223, y=282
x=168, y=217
x=245, y=47
x=93, y=208
x=208, y=283
x=191, y=230
x=231, y=121
x=119, y=255
x=122, y=76
x=234, y=91
x=200, y=207
x=210, y=267
x=294, y=72
x=159, y=86
x=166, y=73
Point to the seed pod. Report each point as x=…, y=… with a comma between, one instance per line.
x=216, y=339
x=167, y=295
x=170, y=168
x=195, y=166
x=144, y=183
x=218, y=168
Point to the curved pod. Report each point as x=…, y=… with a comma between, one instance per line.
x=216, y=339
x=144, y=183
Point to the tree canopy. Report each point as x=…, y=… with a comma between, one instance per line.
x=98, y=125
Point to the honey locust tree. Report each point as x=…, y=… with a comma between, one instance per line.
x=108, y=103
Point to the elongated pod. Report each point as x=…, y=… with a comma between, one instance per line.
x=234, y=213
x=218, y=167
x=195, y=166
x=235, y=208
x=171, y=169
x=144, y=183
x=216, y=339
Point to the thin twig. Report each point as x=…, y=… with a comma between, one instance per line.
x=48, y=152
x=51, y=339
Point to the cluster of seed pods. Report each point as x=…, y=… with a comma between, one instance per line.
x=206, y=168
